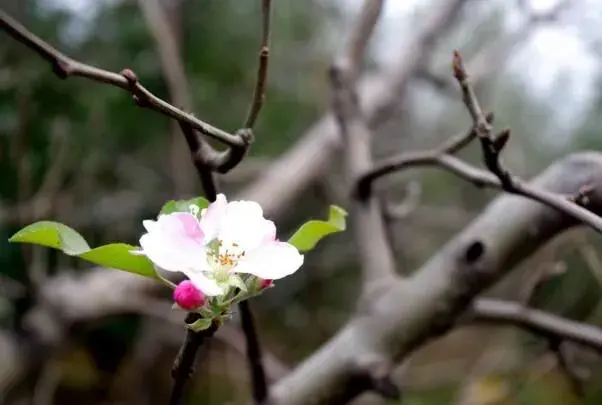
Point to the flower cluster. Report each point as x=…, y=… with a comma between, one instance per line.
x=228, y=252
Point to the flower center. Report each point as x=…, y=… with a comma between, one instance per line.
x=223, y=257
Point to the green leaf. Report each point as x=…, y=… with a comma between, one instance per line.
x=54, y=235
x=59, y=236
x=311, y=232
x=183, y=205
x=200, y=324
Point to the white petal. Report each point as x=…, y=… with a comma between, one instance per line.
x=173, y=251
x=271, y=261
x=244, y=224
x=149, y=225
x=213, y=217
x=160, y=253
x=207, y=286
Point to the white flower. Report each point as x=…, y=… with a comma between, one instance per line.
x=229, y=238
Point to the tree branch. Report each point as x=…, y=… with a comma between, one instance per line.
x=183, y=367
x=262, y=68
x=306, y=160
x=492, y=147
x=411, y=312
x=64, y=67
x=535, y=321
x=376, y=257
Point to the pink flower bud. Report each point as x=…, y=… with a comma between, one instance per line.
x=265, y=283
x=188, y=297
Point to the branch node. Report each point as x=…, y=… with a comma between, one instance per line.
x=61, y=69
x=582, y=195
x=386, y=388
x=500, y=140
x=130, y=76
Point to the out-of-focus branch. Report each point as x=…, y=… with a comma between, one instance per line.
x=297, y=168
x=441, y=156
x=64, y=67
x=413, y=311
x=360, y=36
x=536, y=321
x=492, y=147
x=492, y=56
x=376, y=257
x=554, y=329
x=375, y=254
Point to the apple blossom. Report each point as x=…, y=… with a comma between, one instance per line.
x=228, y=244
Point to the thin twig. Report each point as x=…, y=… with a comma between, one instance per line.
x=492, y=147
x=536, y=321
x=262, y=68
x=254, y=355
x=499, y=177
x=63, y=67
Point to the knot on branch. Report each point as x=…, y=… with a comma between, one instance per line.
x=582, y=196
x=247, y=136
x=377, y=371
x=61, y=69
x=130, y=76
x=264, y=52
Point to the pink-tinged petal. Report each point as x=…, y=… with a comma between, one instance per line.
x=207, y=286
x=190, y=225
x=180, y=224
x=213, y=217
x=187, y=296
x=271, y=261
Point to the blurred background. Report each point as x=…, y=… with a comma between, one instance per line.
x=84, y=154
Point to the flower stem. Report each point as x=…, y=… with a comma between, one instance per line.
x=184, y=363
x=260, y=385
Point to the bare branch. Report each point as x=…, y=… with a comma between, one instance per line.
x=64, y=67
x=493, y=146
x=536, y=321
x=297, y=168
x=411, y=312
x=262, y=68
x=360, y=36
x=375, y=253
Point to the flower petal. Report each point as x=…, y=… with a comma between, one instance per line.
x=245, y=225
x=175, y=243
x=271, y=261
x=160, y=253
x=206, y=285
x=213, y=217
x=149, y=224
